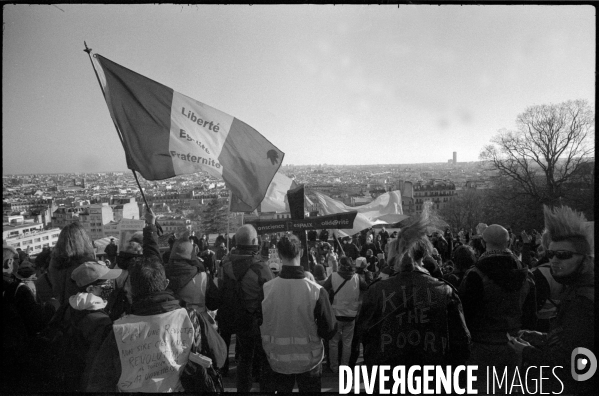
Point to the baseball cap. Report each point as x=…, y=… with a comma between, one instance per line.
x=89, y=272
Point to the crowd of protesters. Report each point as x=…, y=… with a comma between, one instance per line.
x=416, y=296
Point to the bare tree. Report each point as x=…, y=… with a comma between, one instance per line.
x=551, y=145
x=465, y=210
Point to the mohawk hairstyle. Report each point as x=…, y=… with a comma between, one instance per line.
x=565, y=224
x=428, y=222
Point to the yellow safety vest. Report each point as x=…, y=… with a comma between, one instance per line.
x=289, y=332
x=153, y=350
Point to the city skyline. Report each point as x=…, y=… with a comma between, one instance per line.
x=335, y=85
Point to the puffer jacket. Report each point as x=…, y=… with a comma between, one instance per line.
x=498, y=297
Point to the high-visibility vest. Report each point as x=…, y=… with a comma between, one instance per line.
x=347, y=299
x=153, y=350
x=289, y=333
x=549, y=309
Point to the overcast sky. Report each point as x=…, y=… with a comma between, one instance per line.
x=325, y=84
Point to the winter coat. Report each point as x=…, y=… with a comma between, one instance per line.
x=498, y=297
x=86, y=314
x=574, y=327
x=236, y=266
x=121, y=299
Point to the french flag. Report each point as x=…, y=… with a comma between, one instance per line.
x=165, y=134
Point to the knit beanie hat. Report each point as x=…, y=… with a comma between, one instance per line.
x=182, y=249
x=26, y=269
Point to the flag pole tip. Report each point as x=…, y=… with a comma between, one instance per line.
x=88, y=50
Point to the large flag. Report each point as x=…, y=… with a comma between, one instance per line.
x=166, y=134
x=385, y=209
x=275, y=199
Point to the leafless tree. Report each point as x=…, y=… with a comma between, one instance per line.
x=550, y=147
x=465, y=210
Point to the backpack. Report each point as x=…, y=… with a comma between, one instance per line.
x=118, y=302
x=233, y=315
x=195, y=377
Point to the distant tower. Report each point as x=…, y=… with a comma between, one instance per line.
x=455, y=157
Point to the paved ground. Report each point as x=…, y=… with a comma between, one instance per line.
x=330, y=381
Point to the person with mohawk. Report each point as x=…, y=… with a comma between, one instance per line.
x=412, y=318
x=571, y=257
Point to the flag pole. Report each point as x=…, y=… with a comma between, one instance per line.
x=89, y=50
x=338, y=243
x=228, y=215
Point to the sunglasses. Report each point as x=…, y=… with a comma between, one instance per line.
x=560, y=254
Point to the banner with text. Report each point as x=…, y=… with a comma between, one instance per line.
x=335, y=221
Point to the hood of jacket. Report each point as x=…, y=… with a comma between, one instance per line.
x=503, y=268
x=86, y=301
x=155, y=303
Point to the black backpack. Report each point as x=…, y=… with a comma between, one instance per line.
x=233, y=315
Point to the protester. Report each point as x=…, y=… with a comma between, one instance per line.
x=387, y=310
x=159, y=325
x=74, y=247
x=463, y=259
x=141, y=244
x=111, y=251
x=369, y=245
x=350, y=248
x=244, y=268
x=384, y=234
x=26, y=273
x=344, y=286
x=221, y=251
x=366, y=278
x=295, y=308
x=571, y=255
x=371, y=262
x=498, y=298
x=323, y=236
x=319, y=274
x=90, y=323
x=22, y=318
x=43, y=284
